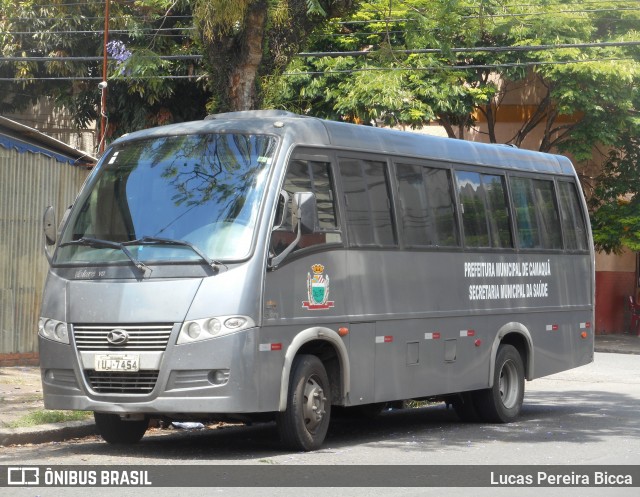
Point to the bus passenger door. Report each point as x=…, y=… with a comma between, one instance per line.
x=305, y=288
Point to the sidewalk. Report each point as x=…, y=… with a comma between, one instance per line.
x=21, y=396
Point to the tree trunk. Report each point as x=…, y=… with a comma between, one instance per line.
x=242, y=78
x=238, y=54
x=233, y=58
x=445, y=122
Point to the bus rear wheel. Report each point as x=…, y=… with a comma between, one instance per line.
x=304, y=424
x=114, y=430
x=502, y=402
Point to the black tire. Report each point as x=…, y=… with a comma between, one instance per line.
x=114, y=430
x=464, y=406
x=502, y=402
x=304, y=424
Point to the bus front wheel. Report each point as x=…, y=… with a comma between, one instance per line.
x=502, y=402
x=115, y=430
x=304, y=423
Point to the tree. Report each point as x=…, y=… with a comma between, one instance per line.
x=459, y=61
x=155, y=72
x=246, y=40
x=54, y=49
x=615, y=203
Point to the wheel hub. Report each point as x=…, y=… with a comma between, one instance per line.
x=508, y=384
x=314, y=404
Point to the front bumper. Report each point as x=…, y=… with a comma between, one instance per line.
x=217, y=376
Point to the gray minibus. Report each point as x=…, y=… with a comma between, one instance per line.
x=265, y=265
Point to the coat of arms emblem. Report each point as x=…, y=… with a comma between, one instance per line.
x=317, y=289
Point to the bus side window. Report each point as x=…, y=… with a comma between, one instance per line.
x=368, y=204
x=537, y=218
x=573, y=224
x=485, y=215
x=315, y=177
x=473, y=209
x=426, y=206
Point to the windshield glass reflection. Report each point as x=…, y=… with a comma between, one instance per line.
x=202, y=189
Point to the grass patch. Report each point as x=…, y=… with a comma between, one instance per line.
x=43, y=417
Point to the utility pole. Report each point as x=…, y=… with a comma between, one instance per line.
x=103, y=83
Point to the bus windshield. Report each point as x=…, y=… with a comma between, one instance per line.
x=199, y=191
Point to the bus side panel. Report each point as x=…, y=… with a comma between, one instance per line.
x=425, y=322
x=438, y=314
x=362, y=356
x=307, y=291
x=417, y=358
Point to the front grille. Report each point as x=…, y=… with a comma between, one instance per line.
x=143, y=337
x=140, y=382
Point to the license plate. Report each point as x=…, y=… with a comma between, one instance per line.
x=125, y=362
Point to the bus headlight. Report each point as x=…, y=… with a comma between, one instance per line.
x=193, y=330
x=213, y=326
x=51, y=329
x=204, y=329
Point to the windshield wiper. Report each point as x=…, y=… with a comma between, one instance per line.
x=153, y=240
x=98, y=243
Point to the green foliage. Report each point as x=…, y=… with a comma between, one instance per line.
x=576, y=97
x=141, y=91
x=452, y=61
x=615, y=203
x=220, y=17
x=580, y=96
x=246, y=43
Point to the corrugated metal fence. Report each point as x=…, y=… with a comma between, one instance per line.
x=29, y=182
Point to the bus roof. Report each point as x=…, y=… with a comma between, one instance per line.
x=312, y=131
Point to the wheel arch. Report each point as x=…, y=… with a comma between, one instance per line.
x=327, y=345
x=517, y=335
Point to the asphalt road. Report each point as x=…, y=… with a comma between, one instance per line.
x=586, y=416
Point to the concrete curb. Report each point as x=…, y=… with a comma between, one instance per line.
x=52, y=432
x=612, y=349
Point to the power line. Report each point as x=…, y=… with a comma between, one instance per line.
x=555, y=12
x=93, y=18
x=99, y=78
x=101, y=31
x=353, y=53
x=94, y=59
x=369, y=21
x=512, y=48
x=452, y=67
x=335, y=71
x=563, y=2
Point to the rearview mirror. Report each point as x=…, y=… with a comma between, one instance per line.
x=49, y=231
x=304, y=211
x=49, y=226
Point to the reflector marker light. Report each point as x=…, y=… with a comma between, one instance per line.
x=552, y=327
x=384, y=339
x=585, y=325
x=467, y=333
x=268, y=347
x=432, y=336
